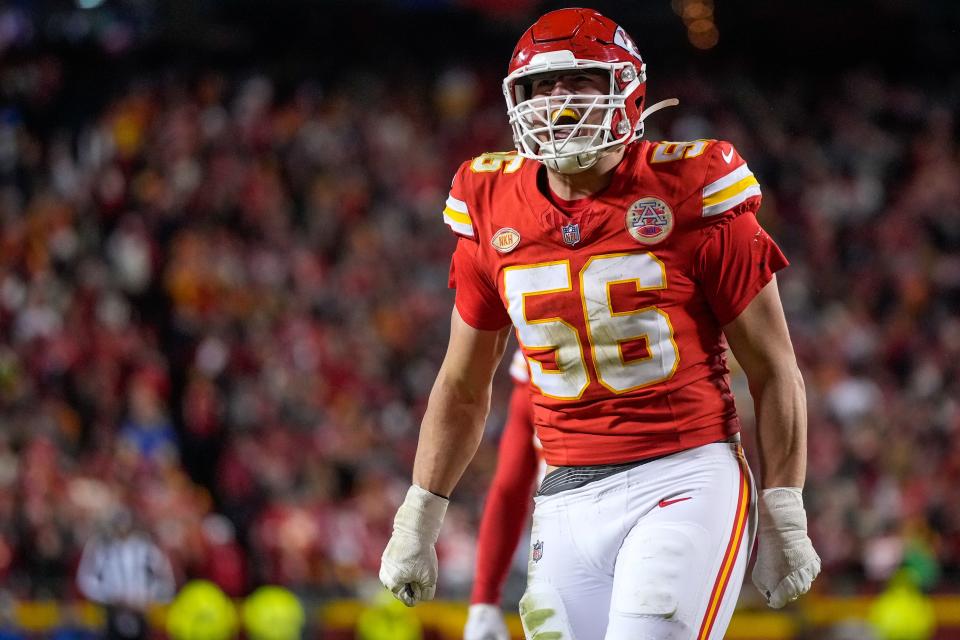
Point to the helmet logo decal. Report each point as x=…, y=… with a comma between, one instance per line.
x=649, y=220
x=505, y=240
x=622, y=39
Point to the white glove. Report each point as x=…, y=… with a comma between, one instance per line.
x=485, y=622
x=408, y=567
x=786, y=561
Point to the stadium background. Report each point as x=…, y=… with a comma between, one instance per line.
x=223, y=280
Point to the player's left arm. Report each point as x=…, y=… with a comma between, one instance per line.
x=786, y=560
x=736, y=266
x=760, y=341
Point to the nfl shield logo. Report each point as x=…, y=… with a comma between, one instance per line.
x=571, y=233
x=537, y=550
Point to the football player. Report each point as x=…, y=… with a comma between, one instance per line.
x=519, y=467
x=626, y=267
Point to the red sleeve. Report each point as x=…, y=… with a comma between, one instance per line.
x=477, y=298
x=734, y=262
x=728, y=184
x=508, y=501
x=456, y=211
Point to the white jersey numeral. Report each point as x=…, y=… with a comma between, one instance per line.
x=607, y=329
x=569, y=380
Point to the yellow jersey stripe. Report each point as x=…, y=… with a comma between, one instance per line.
x=730, y=191
x=726, y=180
x=730, y=203
x=457, y=216
x=459, y=227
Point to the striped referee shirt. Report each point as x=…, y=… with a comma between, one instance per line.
x=129, y=570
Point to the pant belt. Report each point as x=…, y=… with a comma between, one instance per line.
x=566, y=478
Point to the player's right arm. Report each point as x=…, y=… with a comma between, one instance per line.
x=458, y=406
x=460, y=400
x=449, y=435
x=455, y=415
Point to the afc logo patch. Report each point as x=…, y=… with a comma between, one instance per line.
x=649, y=220
x=537, y=551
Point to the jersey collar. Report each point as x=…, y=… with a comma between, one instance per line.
x=551, y=218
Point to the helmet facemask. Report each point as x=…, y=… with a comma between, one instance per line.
x=570, y=132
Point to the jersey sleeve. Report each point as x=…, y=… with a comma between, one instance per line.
x=456, y=211
x=734, y=263
x=737, y=258
x=508, y=501
x=728, y=184
x=477, y=298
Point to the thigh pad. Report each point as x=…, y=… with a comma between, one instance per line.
x=543, y=615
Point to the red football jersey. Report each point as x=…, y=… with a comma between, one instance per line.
x=618, y=305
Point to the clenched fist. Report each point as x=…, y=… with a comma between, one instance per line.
x=786, y=561
x=408, y=567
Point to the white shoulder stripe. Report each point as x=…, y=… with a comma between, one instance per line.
x=731, y=202
x=459, y=227
x=733, y=177
x=457, y=205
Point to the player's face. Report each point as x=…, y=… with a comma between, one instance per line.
x=549, y=91
x=591, y=83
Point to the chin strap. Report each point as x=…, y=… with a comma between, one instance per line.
x=663, y=104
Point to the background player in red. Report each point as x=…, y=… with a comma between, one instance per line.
x=519, y=466
x=626, y=267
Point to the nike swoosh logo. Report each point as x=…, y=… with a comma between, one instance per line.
x=667, y=503
x=727, y=155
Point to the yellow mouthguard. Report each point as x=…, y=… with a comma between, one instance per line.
x=559, y=113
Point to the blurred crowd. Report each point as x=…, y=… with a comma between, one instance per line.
x=223, y=303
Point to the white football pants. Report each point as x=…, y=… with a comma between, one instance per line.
x=657, y=552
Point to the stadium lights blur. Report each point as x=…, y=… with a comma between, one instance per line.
x=697, y=15
x=89, y=4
